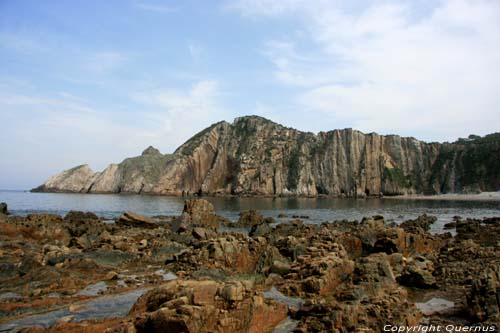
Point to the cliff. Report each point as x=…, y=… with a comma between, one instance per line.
x=256, y=156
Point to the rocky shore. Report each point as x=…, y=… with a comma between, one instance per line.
x=199, y=272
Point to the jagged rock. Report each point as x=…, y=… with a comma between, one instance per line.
x=260, y=230
x=84, y=224
x=418, y=274
x=196, y=213
x=203, y=233
x=320, y=270
x=423, y=222
x=136, y=220
x=484, y=297
x=373, y=300
x=236, y=253
x=206, y=306
x=250, y=218
x=256, y=156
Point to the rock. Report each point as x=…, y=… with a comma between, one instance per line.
x=84, y=224
x=280, y=268
x=136, y=220
x=250, y=218
x=206, y=306
x=450, y=225
x=74, y=308
x=418, y=274
x=143, y=244
x=260, y=230
x=110, y=276
x=484, y=297
x=196, y=213
x=319, y=271
x=422, y=222
x=203, y=233
x=3, y=208
x=233, y=291
x=29, y=264
x=282, y=215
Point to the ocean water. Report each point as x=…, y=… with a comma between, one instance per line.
x=317, y=209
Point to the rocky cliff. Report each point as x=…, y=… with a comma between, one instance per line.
x=256, y=156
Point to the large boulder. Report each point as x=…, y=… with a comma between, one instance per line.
x=3, y=208
x=83, y=224
x=250, y=218
x=136, y=220
x=196, y=213
x=319, y=270
x=206, y=306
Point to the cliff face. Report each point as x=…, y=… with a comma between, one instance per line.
x=256, y=156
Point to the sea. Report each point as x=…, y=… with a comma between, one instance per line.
x=312, y=210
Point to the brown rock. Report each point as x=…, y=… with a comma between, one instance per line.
x=136, y=220
x=250, y=218
x=196, y=213
x=206, y=306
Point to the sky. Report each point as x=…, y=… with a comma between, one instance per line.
x=98, y=81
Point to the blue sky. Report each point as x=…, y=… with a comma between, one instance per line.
x=97, y=81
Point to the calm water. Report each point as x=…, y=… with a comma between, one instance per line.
x=319, y=210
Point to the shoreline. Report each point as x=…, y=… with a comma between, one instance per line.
x=483, y=196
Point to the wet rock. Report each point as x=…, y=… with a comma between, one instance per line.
x=136, y=220
x=282, y=215
x=450, y=225
x=421, y=223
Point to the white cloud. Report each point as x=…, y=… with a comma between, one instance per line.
x=429, y=72
x=178, y=114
